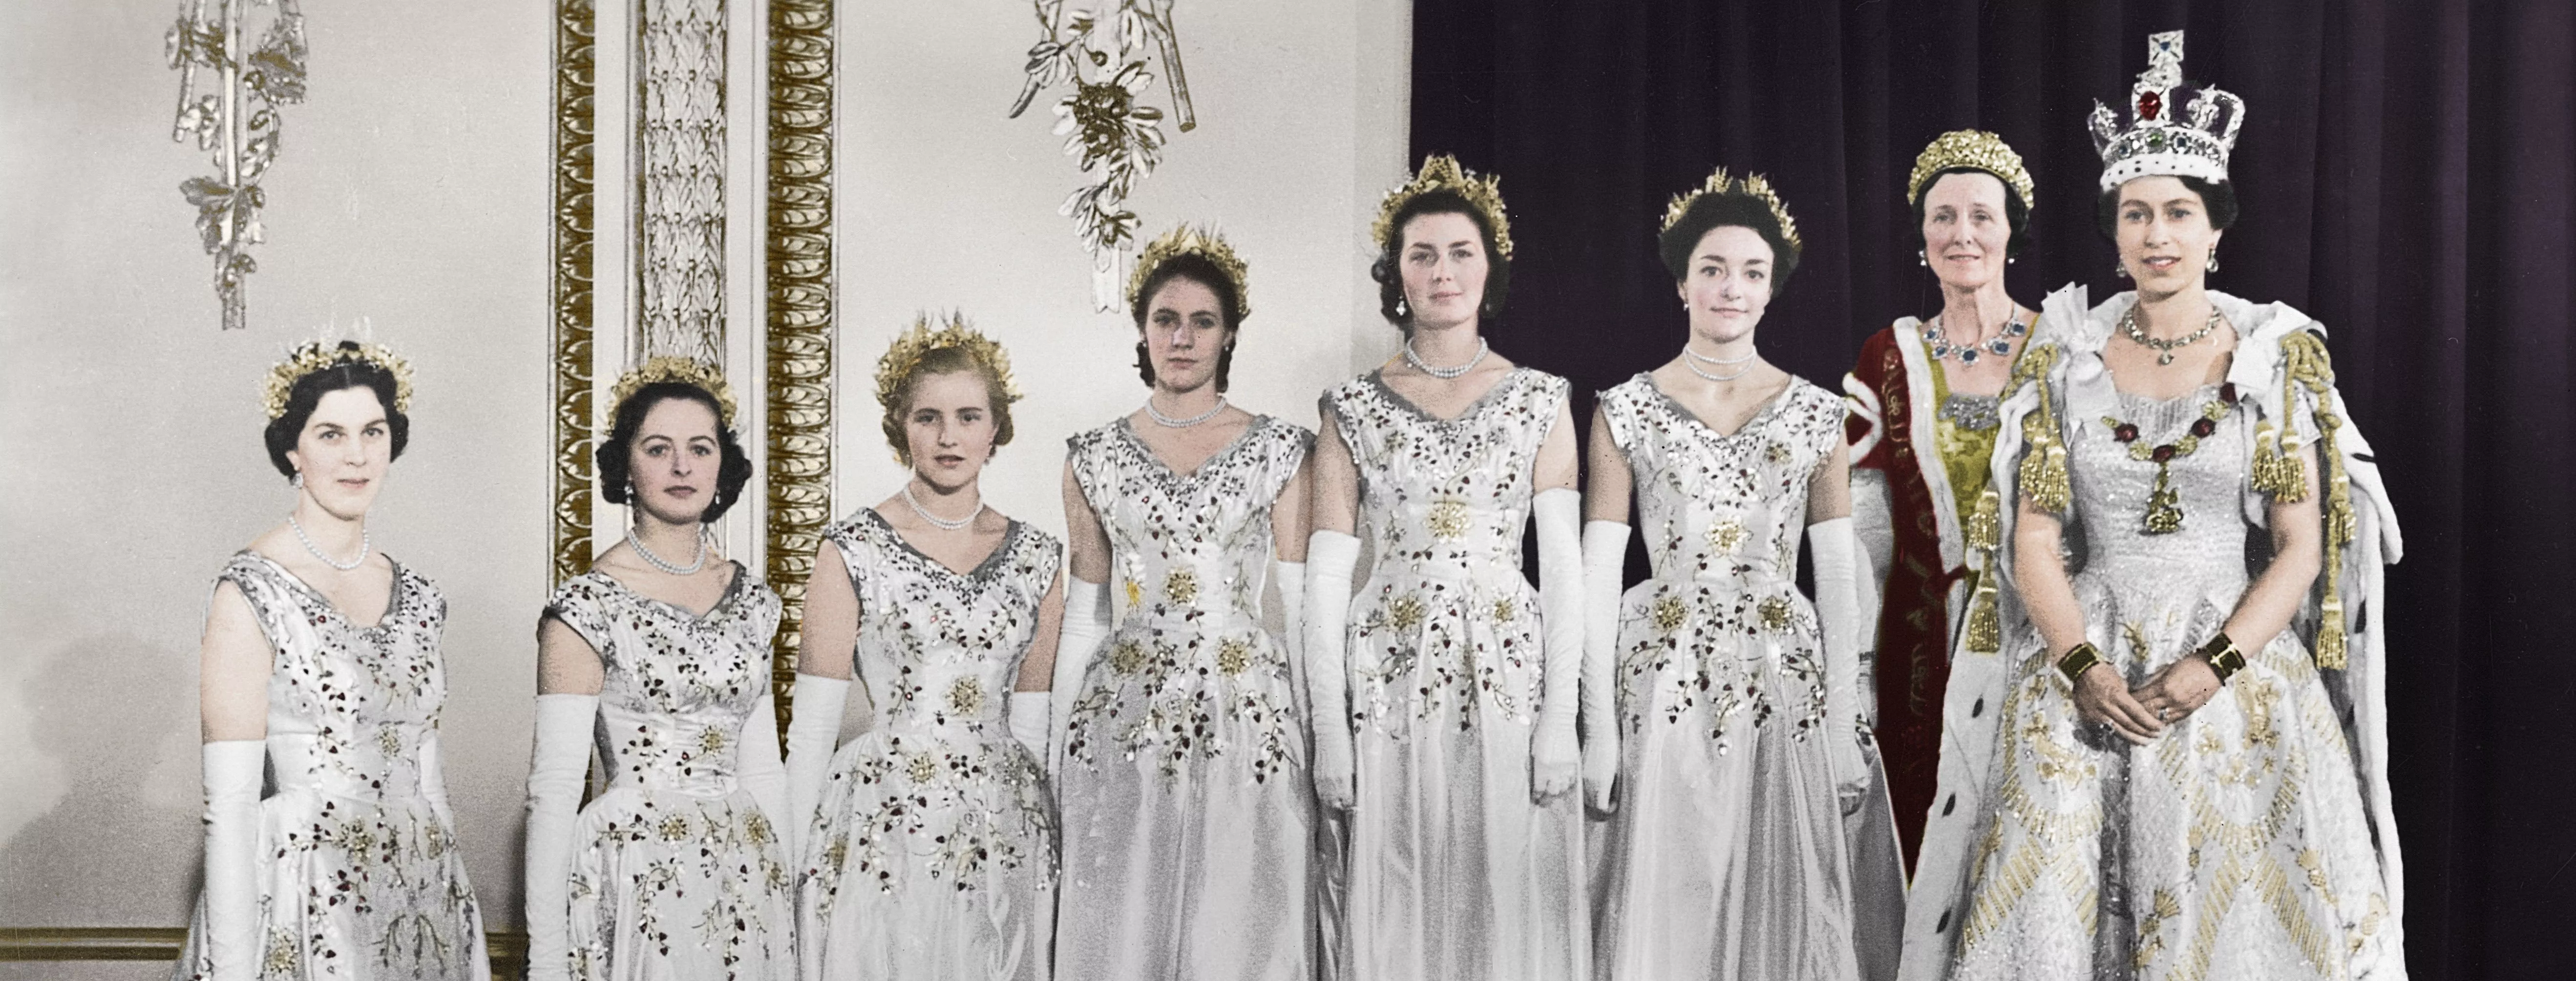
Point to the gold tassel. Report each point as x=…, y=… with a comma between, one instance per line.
x=1985, y=524
x=1985, y=625
x=2332, y=654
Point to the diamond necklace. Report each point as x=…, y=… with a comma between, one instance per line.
x=2165, y=349
x=365, y=544
x=660, y=563
x=943, y=523
x=1999, y=345
x=1159, y=417
x=1482, y=348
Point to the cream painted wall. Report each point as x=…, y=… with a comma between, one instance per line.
x=413, y=191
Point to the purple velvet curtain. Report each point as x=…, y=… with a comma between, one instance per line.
x=2406, y=172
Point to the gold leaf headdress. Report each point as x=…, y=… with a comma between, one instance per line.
x=313, y=356
x=1442, y=173
x=1754, y=186
x=1974, y=149
x=930, y=334
x=684, y=370
x=1204, y=243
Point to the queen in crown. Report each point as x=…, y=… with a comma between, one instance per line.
x=2159, y=779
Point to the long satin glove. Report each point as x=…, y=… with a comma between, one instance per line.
x=1605, y=560
x=433, y=780
x=1330, y=556
x=555, y=775
x=1086, y=627
x=813, y=734
x=1290, y=577
x=1865, y=581
x=1838, y=604
x=1555, y=757
x=234, y=768
x=763, y=774
x=1030, y=724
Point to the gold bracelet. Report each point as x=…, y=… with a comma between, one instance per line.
x=2224, y=659
x=2077, y=659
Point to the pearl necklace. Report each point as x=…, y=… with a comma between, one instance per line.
x=1482, y=349
x=365, y=545
x=1691, y=359
x=1159, y=417
x=666, y=566
x=2129, y=323
x=1999, y=345
x=943, y=523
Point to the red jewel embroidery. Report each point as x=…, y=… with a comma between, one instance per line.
x=2162, y=453
x=2149, y=104
x=2126, y=433
x=2203, y=427
x=2227, y=393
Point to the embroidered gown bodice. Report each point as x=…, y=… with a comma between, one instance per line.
x=359, y=875
x=932, y=853
x=1446, y=664
x=678, y=870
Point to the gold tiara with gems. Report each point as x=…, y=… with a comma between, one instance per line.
x=1443, y=173
x=1204, y=243
x=313, y=356
x=1972, y=149
x=1754, y=186
x=2156, y=142
x=931, y=333
x=683, y=370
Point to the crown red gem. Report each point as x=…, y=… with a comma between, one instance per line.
x=2149, y=104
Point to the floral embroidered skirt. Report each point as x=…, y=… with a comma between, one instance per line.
x=1188, y=814
x=929, y=857
x=677, y=886
x=357, y=889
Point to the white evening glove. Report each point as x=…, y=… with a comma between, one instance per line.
x=234, y=769
x=1330, y=556
x=555, y=775
x=433, y=780
x=1838, y=605
x=1555, y=758
x=1029, y=724
x=813, y=735
x=1291, y=580
x=1605, y=560
x=1086, y=627
x=756, y=762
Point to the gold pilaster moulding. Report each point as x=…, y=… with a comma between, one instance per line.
x=795, y=426
x=799, y=282
x=571, y=393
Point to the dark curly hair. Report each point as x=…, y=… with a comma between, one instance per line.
x=2218, y=196
x=1197, y=269
x=1390, y=280
x=614, y=469
x=2016, y=211
x=284, y=430
x=1709, y=211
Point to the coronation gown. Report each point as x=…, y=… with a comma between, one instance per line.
x=2250, y=840
x=1188, y=814
x=358, y=876
x=678, y=871
x=1454, y=871
x=932, y=853
x=1724, y=855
